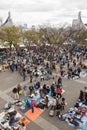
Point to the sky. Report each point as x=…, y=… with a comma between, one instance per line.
x=40, y=12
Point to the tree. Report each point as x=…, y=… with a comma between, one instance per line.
x=11, y=35
x=30, y=36
x=52, y=35
x=80, y=36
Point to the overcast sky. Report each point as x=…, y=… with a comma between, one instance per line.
x=34, y=12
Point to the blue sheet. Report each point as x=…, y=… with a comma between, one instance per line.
x=84, y=127
x=49, y=93
x=84, y=119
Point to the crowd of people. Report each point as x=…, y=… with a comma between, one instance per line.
x=44, y=65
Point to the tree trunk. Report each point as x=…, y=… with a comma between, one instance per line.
x=10, y=48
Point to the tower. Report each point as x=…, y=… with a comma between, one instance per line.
x=8, y=22
x=78, y=24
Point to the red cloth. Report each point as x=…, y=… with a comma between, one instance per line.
x=80, y=110
x=59, y=90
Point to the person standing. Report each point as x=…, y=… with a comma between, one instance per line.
x=31, y=77
x=16, y=94
x=60, y=80
x=59, y=92
x=79, y=71
x=31, y=88
x=53, y=90
x=63, y=104
x=32, y=105
x=25, y=90
x=24, y=73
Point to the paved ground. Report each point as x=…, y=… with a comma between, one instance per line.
x=72, y=87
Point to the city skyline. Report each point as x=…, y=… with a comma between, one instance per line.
x=39, y=12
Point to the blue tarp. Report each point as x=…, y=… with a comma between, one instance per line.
x=84, y=127
x=84, y=119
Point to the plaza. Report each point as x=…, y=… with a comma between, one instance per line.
x=72, y=88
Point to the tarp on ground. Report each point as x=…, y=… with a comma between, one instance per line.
x=84, y=119
x=84, y=127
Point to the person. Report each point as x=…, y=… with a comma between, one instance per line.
x=42, y=77
x=53, y=90
x=46, y=101
x=23, y=124
x=24, y=73
x=60, y=80
x=48, y=89
x=22, y=127
x=31, y=88
x=32, y=105
x=60, y=116
x=73, y=122
x=31, y=77
x=19, y=89
x=15, y=92
x=74, y=63
x=12, y=117
x=63, y=103
x=25, y=90
x=79, y=71
x=62, y=72
x=59, y=92
x=81, y=95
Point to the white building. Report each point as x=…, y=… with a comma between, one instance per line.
x=78, y=24
x=8, y=22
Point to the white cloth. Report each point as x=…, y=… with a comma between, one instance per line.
x=22, y=128
x=54, y=102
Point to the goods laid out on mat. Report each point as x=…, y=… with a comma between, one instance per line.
x=31, y=106
x=77, y=116
x=10, y=119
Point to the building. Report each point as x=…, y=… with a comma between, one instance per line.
x=78, y=24
x=8, y=22
x=23, y=27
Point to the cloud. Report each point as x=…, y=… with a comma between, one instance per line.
x=30, y=5
x=42, y=11
x=72, y=4
x=37, y=6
